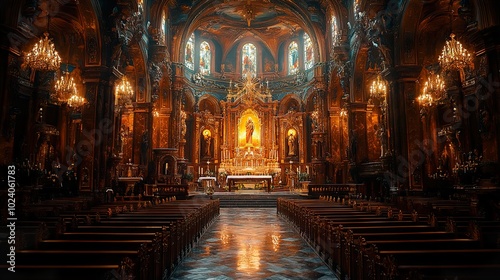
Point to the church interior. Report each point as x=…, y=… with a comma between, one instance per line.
x=371, y=126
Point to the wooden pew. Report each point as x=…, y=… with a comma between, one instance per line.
x=360, y=248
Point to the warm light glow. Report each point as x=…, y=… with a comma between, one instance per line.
x=276, y=238
x=425, y=100
x=76, y=101
x=250, y=89
x=378, y=89
x=454, y=56
x=343, y=112
x=64, y=88
x=207, y=133
x=433, y=91
x=43, y=56
x=242, y=129
x=123, y=92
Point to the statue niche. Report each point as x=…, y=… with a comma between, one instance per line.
x=206, y=144
x=249, y=129
x=291, y=143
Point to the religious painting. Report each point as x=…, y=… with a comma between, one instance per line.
x=249, y=129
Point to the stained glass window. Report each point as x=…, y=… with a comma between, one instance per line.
x=205, y=58
x=189, y=60
x=293, y=58
x=308, y=52
x=249, y=59
x=334, y=31
x=163, y=29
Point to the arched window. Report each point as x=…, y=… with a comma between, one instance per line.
x=293, y=58
x=205, y=58
x=163, y=28
x=334, y=31
x=189, y=60
x=308, y=52
x=249, y=59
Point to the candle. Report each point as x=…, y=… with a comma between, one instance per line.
x=166, y=168
x=307, y=169
x=202, y=170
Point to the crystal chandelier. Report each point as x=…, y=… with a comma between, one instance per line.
x=76, y=101
x=454, y=56
x=378, y=89
x=433, y=91
x=43, y=56
x=64, y=88
x=123, y=92
x=249, y=90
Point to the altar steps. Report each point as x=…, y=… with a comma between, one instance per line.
x=250, y=201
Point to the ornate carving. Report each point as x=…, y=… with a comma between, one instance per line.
x=92, y=50
x=156, y=74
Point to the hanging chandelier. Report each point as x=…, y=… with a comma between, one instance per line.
x=43, y=56
x=433, y=91
x=454, y=56
x=76, y=101
x=378, y=89
x=425, y=100
x=123, y=92
x=64, y=88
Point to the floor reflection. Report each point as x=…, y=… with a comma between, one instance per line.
x=252, y=244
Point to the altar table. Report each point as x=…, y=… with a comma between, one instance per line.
x=231, y=179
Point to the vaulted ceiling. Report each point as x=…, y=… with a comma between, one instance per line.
x=229, y=21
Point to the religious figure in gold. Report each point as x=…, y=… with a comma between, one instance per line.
x=183, y=123
x=291, y=144
x=207, y=136
x=250, y=128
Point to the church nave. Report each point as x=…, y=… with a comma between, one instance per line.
x=252, y=243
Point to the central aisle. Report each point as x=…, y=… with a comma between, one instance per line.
x=252, y=244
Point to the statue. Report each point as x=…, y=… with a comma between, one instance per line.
x=183, y=124
x=250, y=127
x=291, y=144
x=208, y=139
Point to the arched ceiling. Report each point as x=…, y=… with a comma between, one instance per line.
x=229, y=21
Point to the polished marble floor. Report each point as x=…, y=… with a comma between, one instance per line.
x=252, y=243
